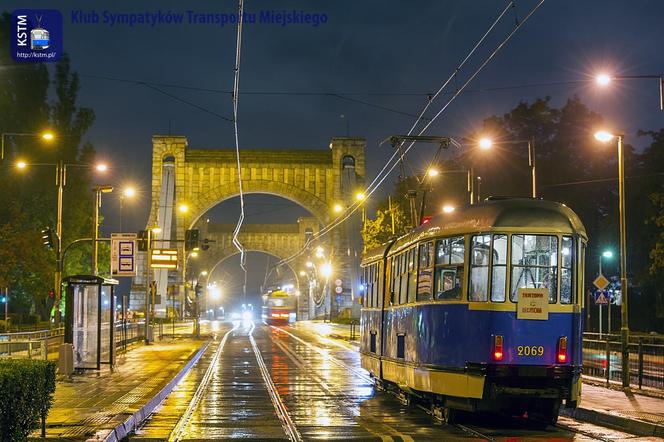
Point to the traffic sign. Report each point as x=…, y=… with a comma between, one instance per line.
x=338, y=289
x=123, y=254
x=601, y=282
x=601, y=297
x=338, y=282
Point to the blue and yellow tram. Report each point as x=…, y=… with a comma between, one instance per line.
x=480, y=309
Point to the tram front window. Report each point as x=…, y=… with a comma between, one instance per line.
x=534, y=264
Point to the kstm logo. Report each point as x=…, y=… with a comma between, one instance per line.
x=37, y=35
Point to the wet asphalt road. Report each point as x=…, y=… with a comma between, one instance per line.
x=257, y=382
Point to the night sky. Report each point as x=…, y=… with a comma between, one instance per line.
x=375, y=51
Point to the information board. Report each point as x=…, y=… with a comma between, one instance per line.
x=533, y=304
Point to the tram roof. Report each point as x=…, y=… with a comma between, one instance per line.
x=504, y=214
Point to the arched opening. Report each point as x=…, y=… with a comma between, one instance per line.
x=225, y=283
x=348, y=162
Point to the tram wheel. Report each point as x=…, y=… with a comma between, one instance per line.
x=445, y=414
x=546, y=412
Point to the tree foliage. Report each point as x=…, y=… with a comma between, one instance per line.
x=28, y=197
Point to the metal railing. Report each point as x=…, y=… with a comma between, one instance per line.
x=31, y=344
x=602, y=358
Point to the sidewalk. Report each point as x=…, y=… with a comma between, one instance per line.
x=634, y=413
x=631, y=412
x=91, y=405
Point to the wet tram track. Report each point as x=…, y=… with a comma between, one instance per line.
x=280, y=383
x=501, y=427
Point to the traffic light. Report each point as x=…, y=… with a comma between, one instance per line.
x=142, y=241
x=191, y=239
x=198, y=289
x=48, y=237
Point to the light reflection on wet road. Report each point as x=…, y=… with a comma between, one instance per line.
x=323, y=390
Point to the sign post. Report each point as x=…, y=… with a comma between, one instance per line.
x=600, y=298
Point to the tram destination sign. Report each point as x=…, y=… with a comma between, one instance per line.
x=164, y=259
x=533, y=304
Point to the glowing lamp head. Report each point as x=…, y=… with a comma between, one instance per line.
x=604, y=136
x=48, y=136
x=326, y=270
x=360, y=196
x=607, y=254
x=21, y=164
x=129, y=192
x=433, y=173
x=309, y=264
x=302, y=273
x=204, y=273
x=156, y=230
x=448, y=209
x=183, y=208
x=603, y=79
x=485, y=143
x=101, y=167
x=193, y=254
x=338, y=208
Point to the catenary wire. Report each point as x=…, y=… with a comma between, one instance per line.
x=353, y=208
x=236, y=88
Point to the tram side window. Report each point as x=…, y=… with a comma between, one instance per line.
x=364, y=286
x=425, y=272
x=403, y=279
x=412, y=274
x=499, y=268
x=479, y=268
x=448, y=270
x=567, y=269
x=393, y=279
x=534, y=264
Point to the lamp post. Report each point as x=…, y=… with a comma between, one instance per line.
x=604, y=80
x=486, y=143
x=98, y=190
x=605, y=254
x=127, y=192
x=605, y=137
x=60, y=182
x=46, y=136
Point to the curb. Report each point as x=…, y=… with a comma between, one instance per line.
x=629, y=425
x=132, y=422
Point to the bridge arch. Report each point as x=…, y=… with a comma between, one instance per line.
x=315, y=179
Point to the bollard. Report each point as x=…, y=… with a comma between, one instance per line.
x=608, y=362
x=640, y=362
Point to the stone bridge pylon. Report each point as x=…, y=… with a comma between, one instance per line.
x=199, y=179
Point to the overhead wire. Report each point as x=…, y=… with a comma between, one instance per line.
x=236, y=87
x=380, y=178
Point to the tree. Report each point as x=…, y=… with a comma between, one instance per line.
x=28, y=197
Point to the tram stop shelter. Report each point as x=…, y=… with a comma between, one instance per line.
x=90, y=319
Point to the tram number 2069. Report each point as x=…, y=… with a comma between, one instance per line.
x=530, y=350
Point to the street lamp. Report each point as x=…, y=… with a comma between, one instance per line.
x=604, y=79
x=605, y=136
x=98, y=190
x=183, y=208
x=486, y=143
x=60, y=181
x=448, y=208
x=127, y=192
x=338, y=208
x=46, y=136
